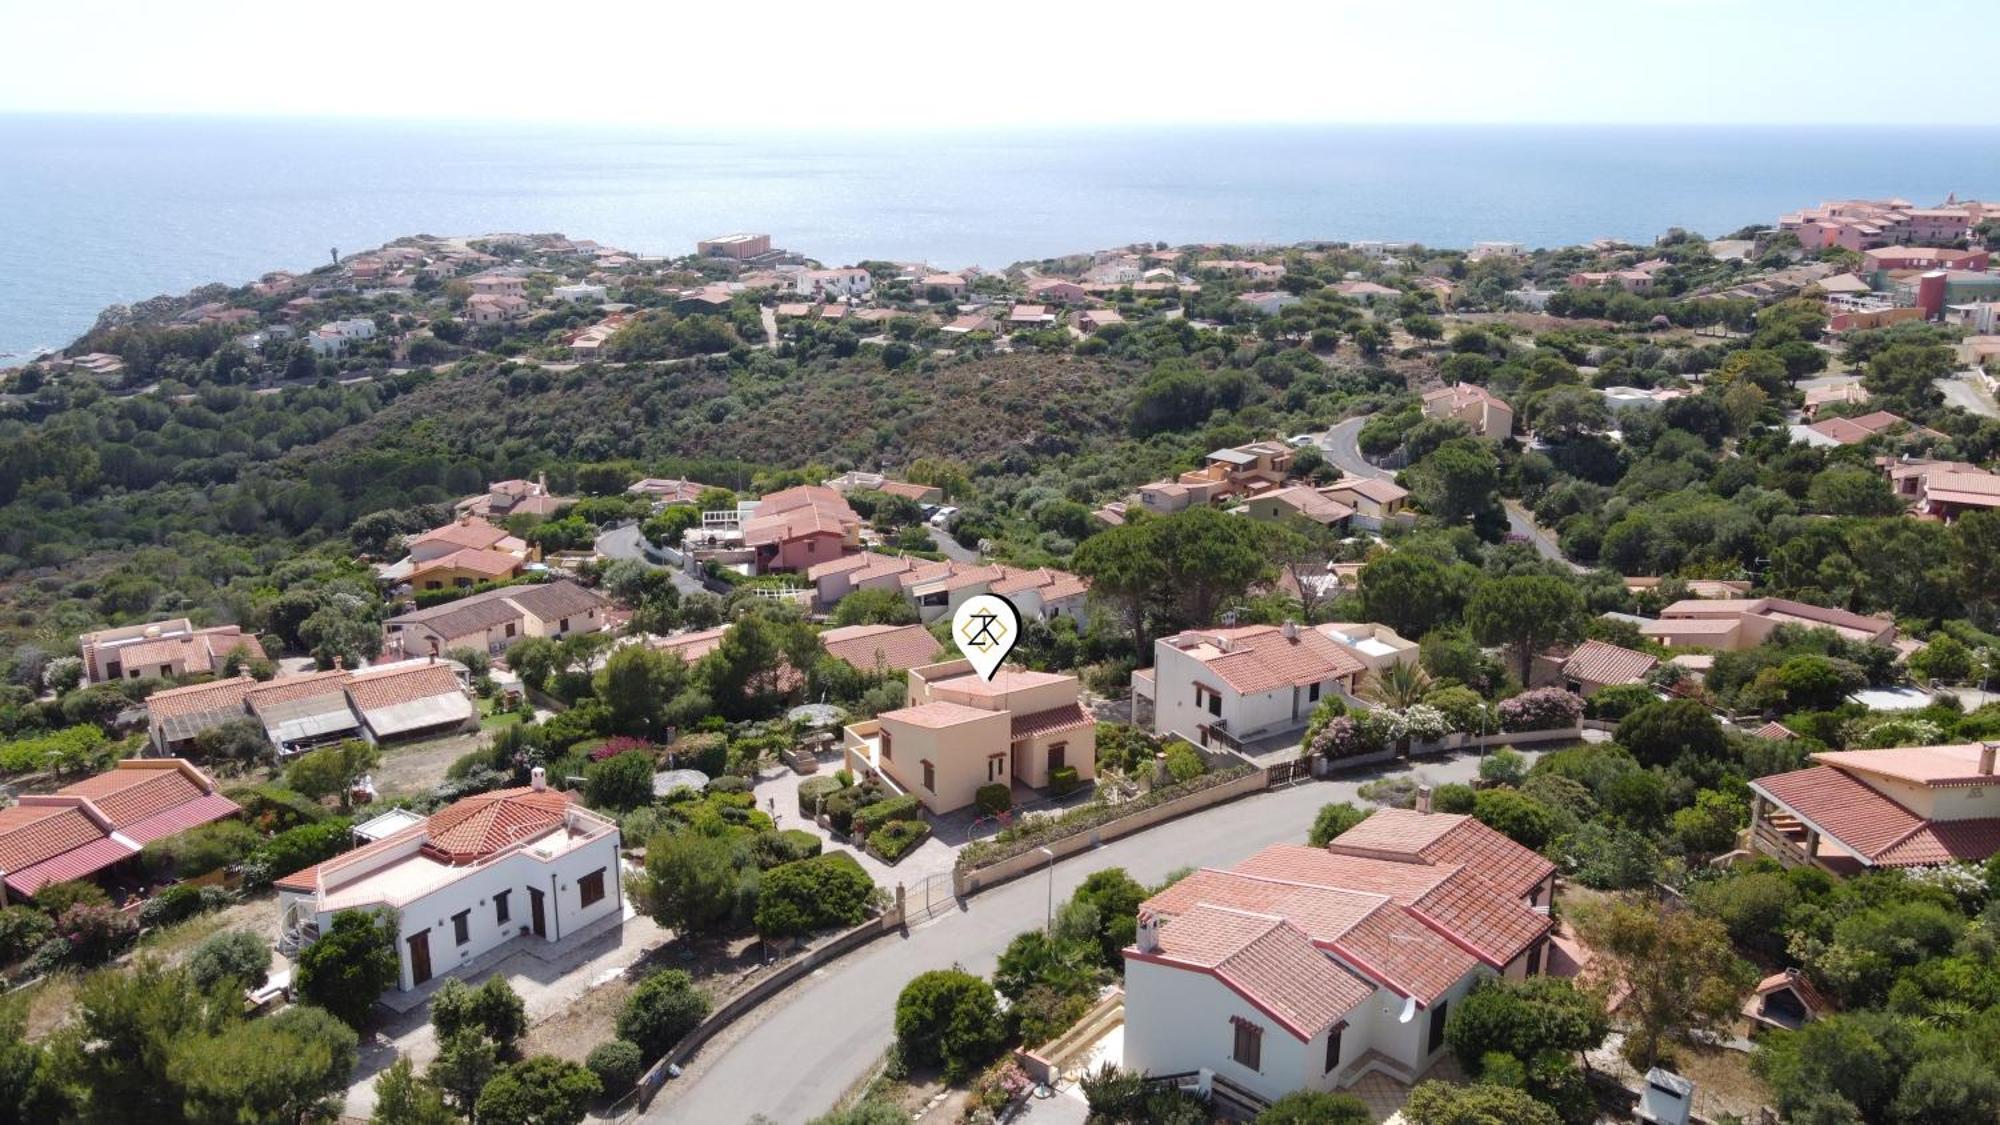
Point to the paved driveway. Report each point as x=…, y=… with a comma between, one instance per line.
x=1342, y=447
x=809, y=1046
x=626, y=543
x=1967, y=391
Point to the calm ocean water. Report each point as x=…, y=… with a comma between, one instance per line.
x=98, y=211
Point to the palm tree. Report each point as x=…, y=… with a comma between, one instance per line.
x=1399, y=685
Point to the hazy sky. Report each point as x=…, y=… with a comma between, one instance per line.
x=781, y=64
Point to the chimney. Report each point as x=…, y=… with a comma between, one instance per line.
x=1290, y=629
x=1149, y=932
x=1424, y=799
x=434, y=650
x=1986, y=758
x=542, y=483
x=538, y=779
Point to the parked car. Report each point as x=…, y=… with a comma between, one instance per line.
x=943, y=516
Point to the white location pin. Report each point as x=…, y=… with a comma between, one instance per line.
x=986, y=628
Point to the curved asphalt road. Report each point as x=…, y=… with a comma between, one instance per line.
x=1341, y=447
x=811, y=1044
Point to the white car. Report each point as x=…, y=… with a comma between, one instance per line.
x=943, y=516
x=1303, y=440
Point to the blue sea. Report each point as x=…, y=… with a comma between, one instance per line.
x=95, y=211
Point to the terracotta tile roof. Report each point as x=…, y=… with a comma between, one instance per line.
x=553, y=601
x=1799, y=983
x=1267, y=961
x=30, y=834
x=692, y=646
x=1843, y=807
x=1311, y=504
x=938, y=714
x=895, y=647
x=906, y=489
x=481, y=825
x=1378, y=490
x=1070, y=716
x=376, y=690
x=195, y=699
x=1260, y=658
x=1446, y=838
x=847, y=563
x=478, y=561
x=1599, y=662
x=475, y=534
x=1405, y=954
x=284, y=689
x=126, y=796
x=1776, y=731
x=179, y=818
x=1939, y=767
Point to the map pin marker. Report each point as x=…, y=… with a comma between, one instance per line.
x=986, y=628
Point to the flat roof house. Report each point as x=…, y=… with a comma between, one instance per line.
x=1733, y=624
x=525, y=863
x=1473, y=405
x=1909, y=806
x=959, y=732
x=162, y=648
x=95, y=824
x=1308, y=969
x=1238, y=685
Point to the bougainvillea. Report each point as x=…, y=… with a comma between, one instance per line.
x=1541, y=709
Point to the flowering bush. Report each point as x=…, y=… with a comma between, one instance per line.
x=95, y=932
x=1347, y=737
x=1421, y=722
x=1965, y=881
x=1541, y=709
x=620, y=744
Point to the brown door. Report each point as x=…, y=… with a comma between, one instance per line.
x=1057, y=755
x=535, y=913
x=420, y=958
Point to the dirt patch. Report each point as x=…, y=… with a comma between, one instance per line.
x=1723, y=1081
x=418, y=767
x=719, y=969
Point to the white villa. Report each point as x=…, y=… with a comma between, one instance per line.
x=1308, y=968
x=1240, y=684
x=524, y=863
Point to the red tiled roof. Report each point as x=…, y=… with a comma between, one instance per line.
x=481, y=825
x=895, y=647
x=1261, y=658
x=195, y=699
x=475, y=534
x=305, y=879
x=477, y=560
x=30, y=834
x=180, y=818
x=1843, y=807
x=374, y=691
x=1776, y=731
x=1070, y=716
x=76, y=863
x=1599, y=662
x=1798, y=982
x=1266, y=960
x=1447, y=838
x=127, y=796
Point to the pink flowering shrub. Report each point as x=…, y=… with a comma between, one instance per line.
x=1541, y=709
x=1349, y=737
x=620, y=744
x=95, y=932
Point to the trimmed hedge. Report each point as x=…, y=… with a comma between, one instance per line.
x=871, y=817
x=898, y=838
x=994, y=799
x=1063, y=781
x=814, y=788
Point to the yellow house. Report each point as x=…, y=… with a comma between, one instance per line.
x=959, y=732
x=466, y=568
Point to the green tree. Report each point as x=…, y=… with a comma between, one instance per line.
x=1457, y=482
x=622, y=782
x=1850, y=490
x=1441, y=1103
x=285, y=1068
x=404, y=1098
x=1527, y=613
x=809, y=895
x=1947, y=1089
x=465, y=1063
x=1975, y=558
x=493, y=1009
x=663, y=1009
x=1115, y=896
x=1660, y=733
x=1525, y=1018
x=1515, y=815
x=1679, y=969
x=1334, y=818
x=637, y=684
x=950, y=1019
x=1413, y=593
x=690, y=883
x=1209, y=556
x=543, y=1090
x=331, y=771
x=1314, y=1107
x=875, y=606
x=1124, y=570
x=349, y=966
